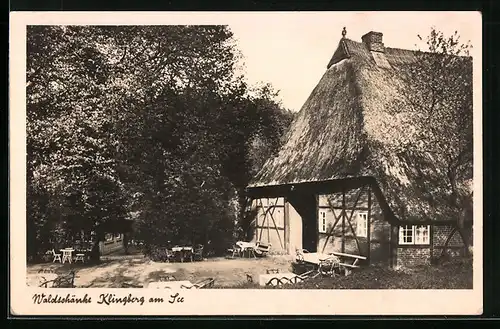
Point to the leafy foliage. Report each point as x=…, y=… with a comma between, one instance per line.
x=438, y=134
x=150, y=121
x=437, y=93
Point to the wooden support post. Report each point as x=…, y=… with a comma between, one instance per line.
x=343, y=220
x=263, y=220
x=268, y=231
x=368, y=224
x=286, y=224
x=316, y=196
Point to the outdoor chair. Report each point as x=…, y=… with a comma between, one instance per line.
x=62, y=281
x=234, y=251
x=197, y=252
x=80, y=257
x=131, y=285
x=57, y=257
x=300, y=254
x=46, y=283
x=167, y=278
x=66, y=281
x=262, y=249
x=206, y=283
x=169, y=255
x=329, y=267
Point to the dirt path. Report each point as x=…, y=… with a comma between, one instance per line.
x=111, y=273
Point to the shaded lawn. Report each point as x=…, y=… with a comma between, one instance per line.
x=116, y=271
x=233, y=274
x=453, y=275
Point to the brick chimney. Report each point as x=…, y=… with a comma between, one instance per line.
x=373, y=40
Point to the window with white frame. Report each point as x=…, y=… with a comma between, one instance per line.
x=414, y=234
x=108, y=237
x=362, y=225
x=422, y=234
x=322, y=221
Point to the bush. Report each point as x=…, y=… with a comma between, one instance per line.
x=156, y=253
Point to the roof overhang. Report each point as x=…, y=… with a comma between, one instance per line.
x=308, y=187
x=322, y=187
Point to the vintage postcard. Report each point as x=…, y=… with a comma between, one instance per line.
x=245, y=163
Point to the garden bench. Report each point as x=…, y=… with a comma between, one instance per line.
x=262, y=249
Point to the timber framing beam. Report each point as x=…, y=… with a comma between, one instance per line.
x=267, y=216
x=344, y=217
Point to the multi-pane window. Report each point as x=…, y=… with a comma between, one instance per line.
x=414, y=234
x=422, y=234
x=322, y=221
x=362, y=225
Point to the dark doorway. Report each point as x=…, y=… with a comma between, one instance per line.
x=310, y=234
x=306, y=206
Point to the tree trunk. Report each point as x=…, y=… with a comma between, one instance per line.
x=461, y=230
x=95, y=254
x=465, y=240
x=462, y=213
x=125, y=242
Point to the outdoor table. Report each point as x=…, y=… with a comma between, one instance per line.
x=348, y=261
x=320, y=261
x=170, y=285
x=315, y=257
x=67, y=254
x=246, y=246
x=182, y=251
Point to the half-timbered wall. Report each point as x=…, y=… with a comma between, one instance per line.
x=423, y=254
x=455, y=247
x=269, y=223
x=359, y=225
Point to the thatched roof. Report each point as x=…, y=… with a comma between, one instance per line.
x=346, y=129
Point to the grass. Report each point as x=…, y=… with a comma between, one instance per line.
x=456, y=274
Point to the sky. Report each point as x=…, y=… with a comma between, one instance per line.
x=291, y=50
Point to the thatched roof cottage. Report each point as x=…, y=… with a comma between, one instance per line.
x=339, y=183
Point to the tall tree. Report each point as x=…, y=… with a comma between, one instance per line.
x=437, y=92
x=148, y=119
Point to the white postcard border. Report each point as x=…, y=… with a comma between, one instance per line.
x=215, y=301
